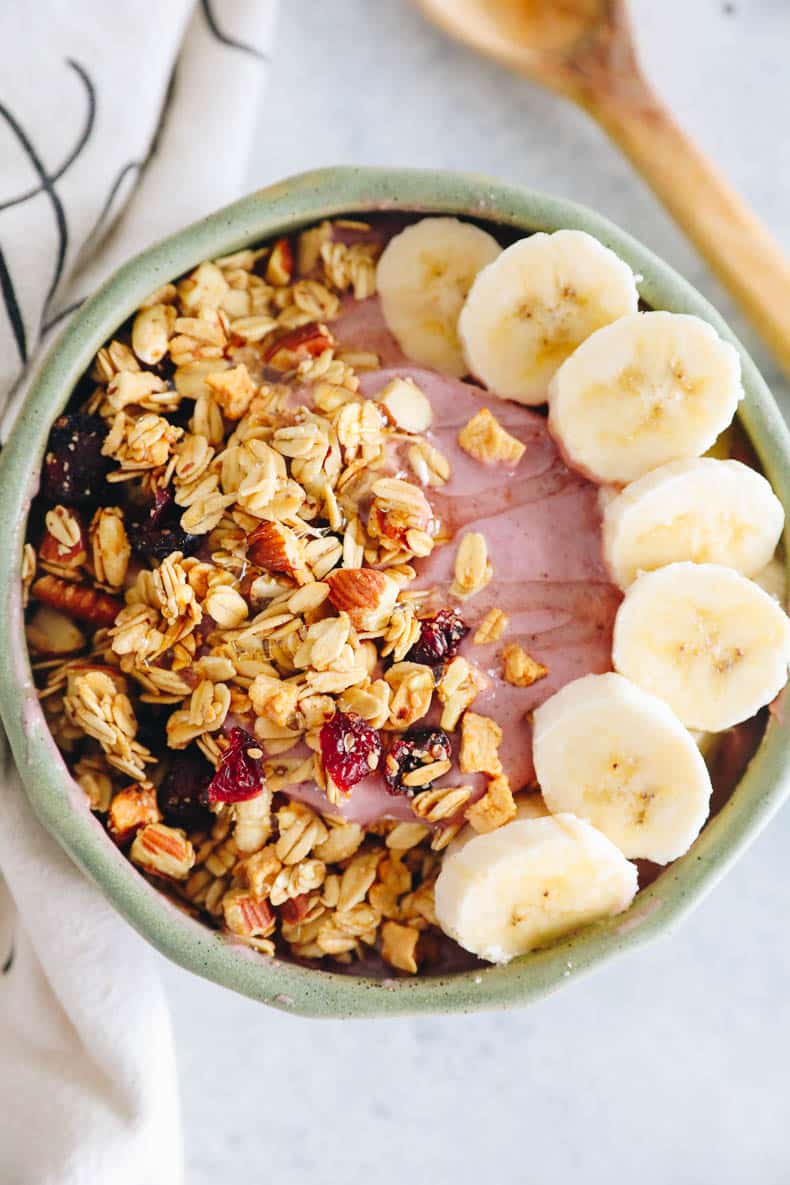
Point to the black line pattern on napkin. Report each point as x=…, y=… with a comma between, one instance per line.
x=231, y=42
x=46, y=186
x=12, y=308
x=8, y=964
x=82, y=140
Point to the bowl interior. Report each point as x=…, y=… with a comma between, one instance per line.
x=61, y=806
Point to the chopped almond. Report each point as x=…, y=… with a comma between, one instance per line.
x=232, y=389
x=519, y=669
x=495, y=808
x=480, y=740
x=486, y=440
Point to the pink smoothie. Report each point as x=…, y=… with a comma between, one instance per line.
x=542, y=528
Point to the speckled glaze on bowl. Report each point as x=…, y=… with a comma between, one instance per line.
x=60, y=805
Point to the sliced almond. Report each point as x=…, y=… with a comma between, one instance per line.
x=407, y=406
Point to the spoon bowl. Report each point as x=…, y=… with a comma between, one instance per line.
x=585, y=50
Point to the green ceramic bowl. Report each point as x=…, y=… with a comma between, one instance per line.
x=60, y=805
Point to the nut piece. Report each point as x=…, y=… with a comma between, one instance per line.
x=52, y=633
x=164, y=851
x=151, y=332
x=280, y=267
x=494, y=809
x=406, y=405
x=246, y=915
x=62, y=549
x=278, y=549
x=412, y=686
x=399, y=946
x=473, y=570
x=491, y=628
x=77, y=600
x=130, y=809
x=519, y=669
x=232, y=389
x=458, y=687
x=486, y=440
x=366, y=595
x=480, y=740
x=110, y=546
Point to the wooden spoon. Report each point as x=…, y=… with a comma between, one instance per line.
x=584, y=49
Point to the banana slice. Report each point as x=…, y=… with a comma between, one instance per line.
x=719, y=512
x=530, y=308
x=651, y=388
x=610, y=753
x=529, y=883
x=707, y=641
x=423, y=277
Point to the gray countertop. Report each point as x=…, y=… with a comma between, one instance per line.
x=671, y=1064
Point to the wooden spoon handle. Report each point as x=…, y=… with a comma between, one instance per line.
x=729, y=235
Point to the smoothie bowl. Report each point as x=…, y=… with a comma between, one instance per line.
x=393, y=620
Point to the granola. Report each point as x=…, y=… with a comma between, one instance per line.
x=243, y=646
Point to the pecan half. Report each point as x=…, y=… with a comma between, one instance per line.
x=77, y=600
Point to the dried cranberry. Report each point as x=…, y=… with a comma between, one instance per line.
x=439, y=639
x=74, y=469
x=350, y=749
x=160, y=533
x=183, y=794
x=240, y=775
x=411, y=751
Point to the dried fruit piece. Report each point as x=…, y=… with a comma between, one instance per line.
x=160, y=534
x=440, y=637
x=366, y=595
x=183, y=794
x=241, y=774
x=425, y=752
x=77, y=600
x=74, y=467
x=350, y=749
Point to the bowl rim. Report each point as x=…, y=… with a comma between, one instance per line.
x=281, y=208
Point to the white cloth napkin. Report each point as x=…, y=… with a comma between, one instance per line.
x=118, y=124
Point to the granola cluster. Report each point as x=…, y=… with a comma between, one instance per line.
x=224, y=608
